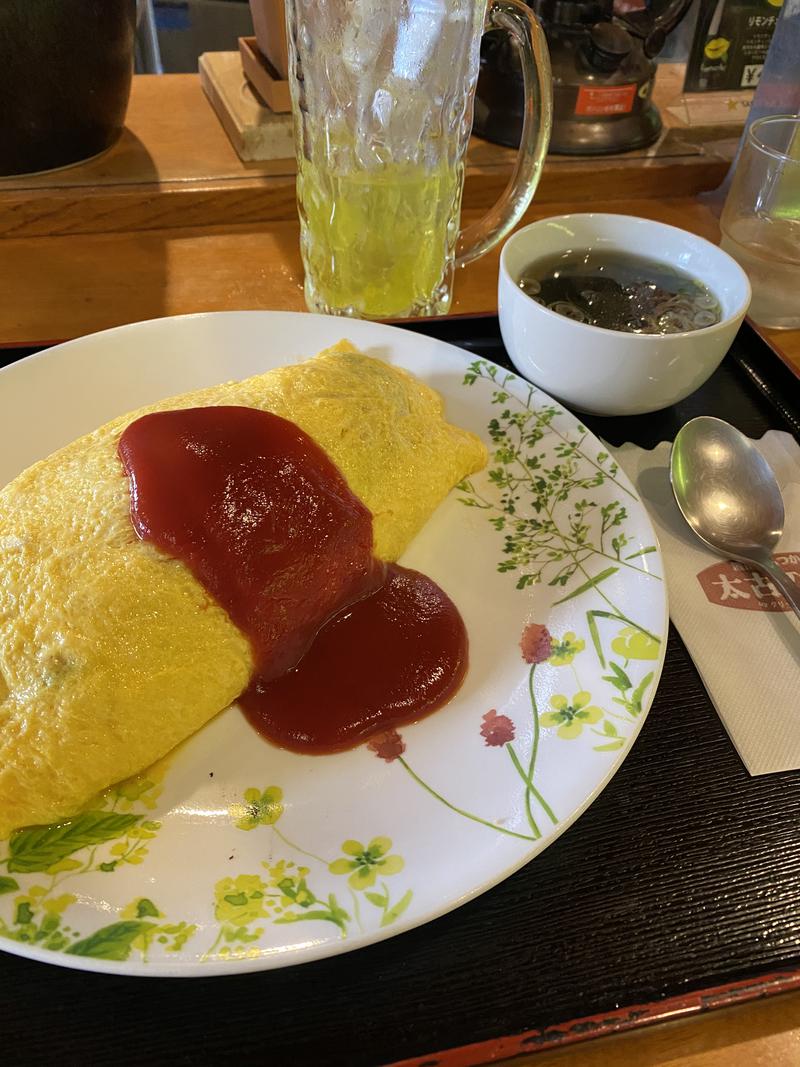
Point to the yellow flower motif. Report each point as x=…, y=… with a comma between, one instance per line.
x=136, y=790
x=571, y=717
x=36, y=907
x=259, y=809
x=633, y=644
x=278, y=871
x=565, y=649
x=240, y=900
x=366, y=864
x=58, y=905
x=290, y=881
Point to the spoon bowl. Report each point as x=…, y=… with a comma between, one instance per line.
x=728, y=494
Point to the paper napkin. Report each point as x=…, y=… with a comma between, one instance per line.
x=743, y=637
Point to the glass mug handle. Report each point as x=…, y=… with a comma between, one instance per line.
x=519, y=21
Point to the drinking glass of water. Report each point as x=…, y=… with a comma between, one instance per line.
x=761, y=219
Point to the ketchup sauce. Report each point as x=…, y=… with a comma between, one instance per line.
x=344, y=646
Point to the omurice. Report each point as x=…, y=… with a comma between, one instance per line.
x=115, y=646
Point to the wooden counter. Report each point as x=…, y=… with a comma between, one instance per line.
x=170, y=221
x=174, y=167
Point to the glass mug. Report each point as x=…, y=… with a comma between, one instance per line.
x=382, y=94
x=761, y=219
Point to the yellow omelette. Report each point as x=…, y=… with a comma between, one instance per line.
x=111, y=653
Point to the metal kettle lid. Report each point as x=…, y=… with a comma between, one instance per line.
x=650, y=25
x=573, y=12
x=608, y=46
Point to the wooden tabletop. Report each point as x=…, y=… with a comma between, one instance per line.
x=174, y=167
x=170, y=221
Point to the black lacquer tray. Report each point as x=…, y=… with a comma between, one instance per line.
x=678, y=890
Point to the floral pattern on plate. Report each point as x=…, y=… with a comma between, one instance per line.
x=240, y=856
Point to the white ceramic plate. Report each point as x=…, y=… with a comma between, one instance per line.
x=241, y=856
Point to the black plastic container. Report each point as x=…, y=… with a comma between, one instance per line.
x=65, y=78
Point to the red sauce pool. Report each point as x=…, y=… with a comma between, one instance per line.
x=344, y=646
x=385, y=661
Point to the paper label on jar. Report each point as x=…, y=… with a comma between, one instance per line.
x=605, y=99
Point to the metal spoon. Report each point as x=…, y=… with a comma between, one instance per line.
x=728, y=494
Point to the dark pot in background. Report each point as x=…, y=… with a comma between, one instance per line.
x=65, y=78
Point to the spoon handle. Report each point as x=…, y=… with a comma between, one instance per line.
x=787, y=585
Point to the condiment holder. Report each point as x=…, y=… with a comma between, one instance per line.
x=611, y=372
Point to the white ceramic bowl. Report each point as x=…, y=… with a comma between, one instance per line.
x=608, y=372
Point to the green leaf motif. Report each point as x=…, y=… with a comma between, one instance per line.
x=398, y=909
x=642, y=552
x=619, y=679
x=111, y=942
x=238, y=900
x=8, y=885
x=40, y=847
x=545, y=542
x=24, y=914
x=65, y=865
x=641, y=689
x=592, y=583
x=146, y=907
x=332, y=914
